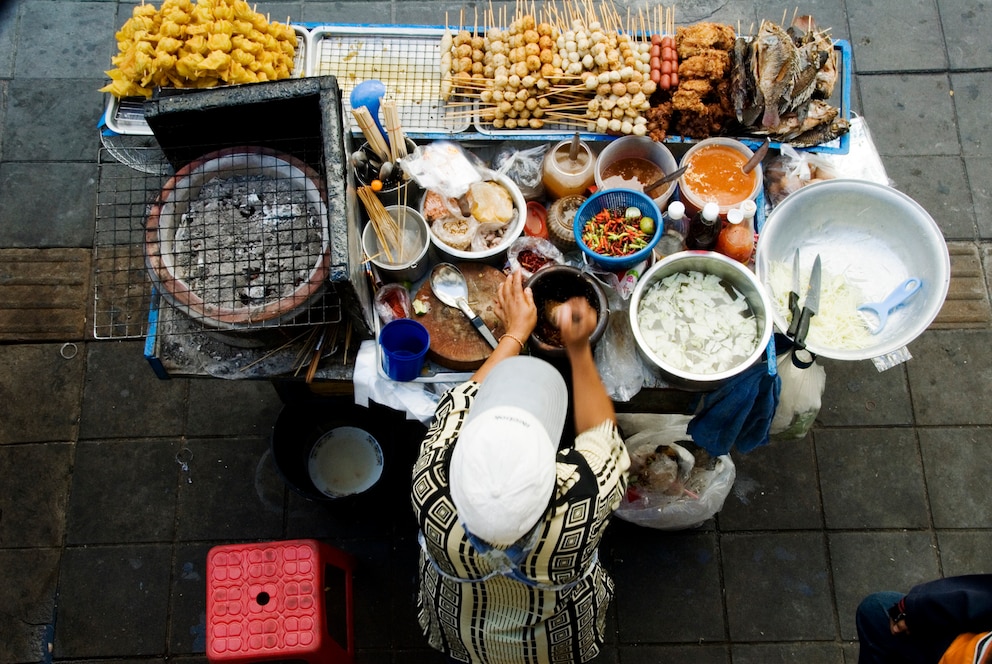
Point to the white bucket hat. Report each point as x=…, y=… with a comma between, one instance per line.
x=502, y=471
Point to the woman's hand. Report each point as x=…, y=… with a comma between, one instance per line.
x=515, y=307
x=576, y=320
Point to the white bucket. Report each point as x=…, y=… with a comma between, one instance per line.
x=345, y=461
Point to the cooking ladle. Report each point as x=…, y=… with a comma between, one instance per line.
x=674, y=175
x=369, y=94
x=448, y=285
x=893, y=301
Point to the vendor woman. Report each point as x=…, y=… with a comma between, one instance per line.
x=509, y=523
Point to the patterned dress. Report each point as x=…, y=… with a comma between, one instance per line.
x=542, y=600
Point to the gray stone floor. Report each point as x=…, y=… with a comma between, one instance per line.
x=103, y=533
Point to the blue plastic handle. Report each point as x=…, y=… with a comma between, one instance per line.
x=895, y=299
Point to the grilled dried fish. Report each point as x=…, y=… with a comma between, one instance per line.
x=743, y=89
x=778, y=66
x=804, y=33
x=823, y=133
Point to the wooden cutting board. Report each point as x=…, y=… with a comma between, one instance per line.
x=455, y=343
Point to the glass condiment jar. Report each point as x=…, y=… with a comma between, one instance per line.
x=704, y=230
x=736, y=240
x=561, y=218
x=564, y=176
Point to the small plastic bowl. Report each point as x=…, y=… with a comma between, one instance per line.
x=617, y=199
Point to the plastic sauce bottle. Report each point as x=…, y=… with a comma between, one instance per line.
x=736, y=239
x=536, y=224
x=675, y=226
x=704, y=230
x=564, y=176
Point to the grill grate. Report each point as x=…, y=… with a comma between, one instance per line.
x=237, y=242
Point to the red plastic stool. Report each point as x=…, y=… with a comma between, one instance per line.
x=265, y=601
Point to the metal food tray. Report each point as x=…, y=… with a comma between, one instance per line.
x=407, y=59
x=127, y=116
x=560, y=131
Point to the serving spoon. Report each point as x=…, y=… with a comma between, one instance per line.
x=449, y=286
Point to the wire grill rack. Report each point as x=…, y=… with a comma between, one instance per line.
x=407, y=60
x=235, y=241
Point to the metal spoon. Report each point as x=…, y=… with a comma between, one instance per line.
x=449, y=286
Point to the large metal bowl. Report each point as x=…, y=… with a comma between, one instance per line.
x=729, y=271
x=872, y=235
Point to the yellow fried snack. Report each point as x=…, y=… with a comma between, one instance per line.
x=198, y=44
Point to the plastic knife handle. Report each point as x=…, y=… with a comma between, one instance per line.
x=800, y=337
x=794, y=308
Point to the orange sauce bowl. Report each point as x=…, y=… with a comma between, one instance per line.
x=714, y=174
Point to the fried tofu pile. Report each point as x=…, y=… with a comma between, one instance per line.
x=198, y=45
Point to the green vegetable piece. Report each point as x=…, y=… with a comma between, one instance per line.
x=632, y=213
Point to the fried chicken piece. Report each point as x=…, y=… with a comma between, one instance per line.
x=710, y=63
x=700, y=87
x=703, y=35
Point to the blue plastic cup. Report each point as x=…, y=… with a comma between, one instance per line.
x=404, y=347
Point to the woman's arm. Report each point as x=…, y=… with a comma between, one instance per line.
x=515, y=307
x=593, y=406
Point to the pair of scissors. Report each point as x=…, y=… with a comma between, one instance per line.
x=801, y=315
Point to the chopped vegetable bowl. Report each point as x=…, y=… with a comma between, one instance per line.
x=618, y=228
x=700, y=318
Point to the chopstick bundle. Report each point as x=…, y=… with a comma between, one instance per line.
x=397, y=141
x=387, y=231
x=372, y=134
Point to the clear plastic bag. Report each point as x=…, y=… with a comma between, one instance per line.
x=674, y=485
x=620, y=366
x=799, y=400
x=524, y=167
x=792, y=170
x=444, y=167
x=544, y=251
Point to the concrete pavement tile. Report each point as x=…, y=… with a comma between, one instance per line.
x=27, y=594
x=964, y=552
x=374, y=613
x=910, y=114
x=980, y=176
x=971, y=106
x=43, y=51
x=857, y=394
x=667, y=584
x=896, y=37
x=777, y=587
x=47, y=205
x=964, y=23
x=788, y=653
x=231, y=407
x=123, y=398
x=8, y=36
x=44, y=294
x=638, y=654
x=113, y=601
x=866, y=562
x=775, y=489
x=52, y=120
x=188, y=622
x=871, y=478
x=123, y=491
x=372, y=12
x=232, y=491
x=940, y=185
x=947, y=364
x=33, y=498
x=966, y=305
x=956, y=461
x=39, y=393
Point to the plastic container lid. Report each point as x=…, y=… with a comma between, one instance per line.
x=676, y=210
x=735, y=216
x=711, y=211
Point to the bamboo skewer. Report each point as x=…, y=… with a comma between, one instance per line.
x=372, y=134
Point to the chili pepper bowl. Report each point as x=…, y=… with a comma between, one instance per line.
x=618, y=200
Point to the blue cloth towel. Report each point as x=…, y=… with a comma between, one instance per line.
x=737, y=414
